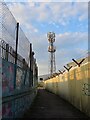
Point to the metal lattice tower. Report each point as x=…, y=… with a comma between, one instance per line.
x=51, y=50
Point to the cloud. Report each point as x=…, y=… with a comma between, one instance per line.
x=47, y=0
x=19, y=11
x=49, y=11
x=68, y=44
x=71, y=38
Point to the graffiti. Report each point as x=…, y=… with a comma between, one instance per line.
x=7, y=110
x=0, y=109
x=8, y=70
x=86, y=89
x=7, y=77
x=17, y=106
x=18, y=78
x=22, y=78
x=27, y=79
x=0, y=75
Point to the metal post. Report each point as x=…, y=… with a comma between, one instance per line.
x=17, y=31
x=30, y=56
x=30, y=73
x=16, y=42
x=32, y=66
x=7, y=51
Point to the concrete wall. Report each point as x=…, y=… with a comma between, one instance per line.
x=74, y=86
x=15, y=101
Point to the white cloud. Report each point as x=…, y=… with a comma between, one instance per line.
x=69, y=38
x=36, y=30
x=46, y=0
x=82, y=17
x=19, y=11
x=70, y=45
x=31, y=4
x=23, y=16
x=56, y=12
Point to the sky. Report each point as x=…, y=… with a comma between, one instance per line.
x=67, y=18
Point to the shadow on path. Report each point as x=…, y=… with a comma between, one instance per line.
x=49, y=105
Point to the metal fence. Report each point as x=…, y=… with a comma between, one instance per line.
x=8, y=53
x=9, y=33
x=18, y=69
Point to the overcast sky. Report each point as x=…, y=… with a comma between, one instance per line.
x=69, y=21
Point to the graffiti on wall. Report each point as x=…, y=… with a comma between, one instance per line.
x=22, y=78
x=7, y=109
x=8, y=70
x=16, y=106
x=27, y=78
x=0, y=70
x=19, y=78
x=86, y=89
x=7, y=77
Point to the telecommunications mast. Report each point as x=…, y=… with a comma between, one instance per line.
x=51, y=50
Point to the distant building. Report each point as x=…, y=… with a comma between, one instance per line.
x=43, y=77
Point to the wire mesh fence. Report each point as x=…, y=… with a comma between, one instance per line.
x=8, y=38
x=8, y=26
x=15, y=68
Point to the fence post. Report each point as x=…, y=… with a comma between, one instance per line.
x=79, y=62
x=60, y=72
x=16, y=42
x=30, y=72
x=17, y=31
x=68, y=68
x=7, y=51
x=37, y=73
x=32, y=66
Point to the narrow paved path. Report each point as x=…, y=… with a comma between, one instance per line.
x=49, y=105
